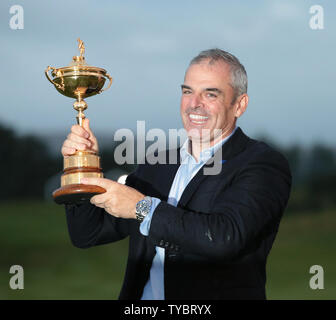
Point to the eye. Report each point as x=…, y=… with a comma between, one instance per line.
x=186, y=91
x=211, y=95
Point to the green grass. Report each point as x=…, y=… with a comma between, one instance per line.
x=34, y=235
x=303, y=241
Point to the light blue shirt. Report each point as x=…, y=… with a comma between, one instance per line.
x=154, y=288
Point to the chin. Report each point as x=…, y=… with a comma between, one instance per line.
x=199, y=133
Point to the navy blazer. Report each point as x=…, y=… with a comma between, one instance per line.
x=218, y=237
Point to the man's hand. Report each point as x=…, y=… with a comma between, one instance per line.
x=118, y=200
x=80, y=138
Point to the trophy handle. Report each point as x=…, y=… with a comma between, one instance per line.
x=109, y=85
x=48, y=77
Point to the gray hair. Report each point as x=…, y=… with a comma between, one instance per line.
x=238, y=72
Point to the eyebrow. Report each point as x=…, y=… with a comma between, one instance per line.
x=183, y=86
x=213, y=90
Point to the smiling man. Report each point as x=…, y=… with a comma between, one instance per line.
x=210, y=104
x=193, y=235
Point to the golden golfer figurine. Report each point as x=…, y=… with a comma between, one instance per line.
x=79, y=81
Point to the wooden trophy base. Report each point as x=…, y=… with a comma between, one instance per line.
x=80, y=165
x=76, y=193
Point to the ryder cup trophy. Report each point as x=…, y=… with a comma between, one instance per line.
x=78, y=81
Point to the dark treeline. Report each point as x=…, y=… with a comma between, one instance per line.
x=314, y=177
x=27, y=164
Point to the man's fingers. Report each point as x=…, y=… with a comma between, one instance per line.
x=73, y=144
x=79, y=139
x=101, y=182
x=80, y=131
x=99, y=200
x=105, y=202
x=91, y=138
x=68, y=151
x=86, y=126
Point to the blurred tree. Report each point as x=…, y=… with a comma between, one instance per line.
x=321, y=161
x=321, y=177
x=294, y=155
x=26, y=165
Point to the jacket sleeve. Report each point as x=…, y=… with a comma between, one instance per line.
x=89, y=225
x=242, y=213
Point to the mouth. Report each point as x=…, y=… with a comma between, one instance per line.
x=197, y=119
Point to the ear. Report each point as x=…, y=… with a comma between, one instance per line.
x=241, y=104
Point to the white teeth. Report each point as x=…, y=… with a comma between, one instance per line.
x=197, y=117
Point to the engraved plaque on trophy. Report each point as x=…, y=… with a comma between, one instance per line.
x=78, y=81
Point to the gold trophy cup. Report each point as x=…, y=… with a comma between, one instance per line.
x=78, y=81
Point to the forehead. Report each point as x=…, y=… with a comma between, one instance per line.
x=204, y=73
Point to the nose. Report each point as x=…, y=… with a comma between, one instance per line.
x=196, y=101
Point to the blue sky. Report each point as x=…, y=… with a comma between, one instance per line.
x=146, y=47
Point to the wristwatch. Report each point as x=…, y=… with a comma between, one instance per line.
x=142, y=208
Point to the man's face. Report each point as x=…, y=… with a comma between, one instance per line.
x=206, y=102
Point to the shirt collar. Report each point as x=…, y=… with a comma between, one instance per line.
x=206, y=154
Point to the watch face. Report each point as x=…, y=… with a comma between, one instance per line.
x=142, y=207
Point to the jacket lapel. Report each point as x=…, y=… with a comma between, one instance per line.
x=166, y=180
x=236, y=144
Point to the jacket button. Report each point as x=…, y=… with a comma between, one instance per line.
x=171, y=247
x=166, y=244
x=177, y=248
x=161, y=243
x=172, y=256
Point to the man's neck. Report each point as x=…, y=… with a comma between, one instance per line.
x=197, y=146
